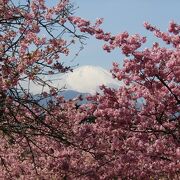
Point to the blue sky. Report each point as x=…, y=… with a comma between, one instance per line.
x=119, y=16
x=123, y=15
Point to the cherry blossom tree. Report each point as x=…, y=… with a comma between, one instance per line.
x=34, y=38
x=129, y=133
x=138, y=126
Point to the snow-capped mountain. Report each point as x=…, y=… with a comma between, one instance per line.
x=83, y=80
x=87, y=79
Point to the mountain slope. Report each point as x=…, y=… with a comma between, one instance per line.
x=84, y=79
x=87, y=79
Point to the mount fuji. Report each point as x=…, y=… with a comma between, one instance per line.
x=87, y=79
x=84, y=80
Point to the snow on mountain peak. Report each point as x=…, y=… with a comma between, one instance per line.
x=84, y=79
x=87, y=79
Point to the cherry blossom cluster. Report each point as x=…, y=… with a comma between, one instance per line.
x=30, y=41
x=127, y=43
